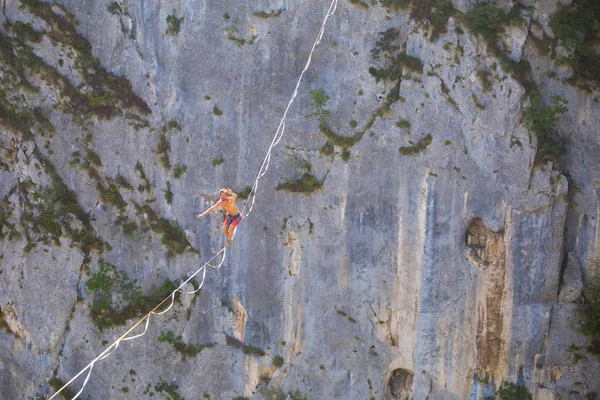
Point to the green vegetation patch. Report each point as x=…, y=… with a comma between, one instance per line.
x=162, y=149
x=307, y=183
x=111, y=195
x=403, y=124
x=101, y=92
x=278, y=361
x=359, y=3
x=244, y=194
x=429, y=12
x=66, y=393
x=168, y=193
x=114, y=8
x=488, y=21
x=139, y=169
x=173, y=25
x=511, y=391
x=179, y=170
x=185, y=350
x=25, y=31
x=129, y=226
x=217, y=161
x=172, y=237
x=416, y=148
x=170, y=389
x=395, y=66
x=591, y=310
x=541, y=119
x=255, y=351
x=49, y=212
x=577, y=29
x=116, y=299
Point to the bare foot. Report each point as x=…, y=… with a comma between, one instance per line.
x=228, y=243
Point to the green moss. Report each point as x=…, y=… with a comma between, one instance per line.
x=278, y=361
x=353, y=123
x=172, y=237
x=359, y=3
x=136, y=121
x=477, y=103
x=217, y=111
x=179, y=170
x=244, y=194
x=169, y=388
x=116, y=299
x=591, y=310
x=142, y=174
x=345, y=154
x=576, y=28
x=272, y=14
x=217, y=161
x=106, y=91
x=485, y=77
x=417, y=148
x=255, y=351
x=111, y=195
x=307, y=183
x=66, y=393
x=128, y=226
x=168, y=193
x=122, y=182
x=184, y=349
x=114, y=8
x=511, y=391
x=395, y=66
x=25, y=31
x=343, y=314
x=93, y=158
x=327, y=149
x=162, y=149
x=403, y=124
x=521, y=71
x=338, y=140
x=541, y=119
x=50, y=211
x=173, y=25
x=173, y=124
x=433, y=13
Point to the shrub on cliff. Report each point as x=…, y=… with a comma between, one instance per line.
x=591, y=311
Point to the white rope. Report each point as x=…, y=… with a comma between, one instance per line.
x=263, y=170
x=110, y=349
x=281, y=128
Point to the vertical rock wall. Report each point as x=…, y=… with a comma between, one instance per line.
x=428, y=265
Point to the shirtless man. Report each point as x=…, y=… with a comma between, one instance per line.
x=233, y=217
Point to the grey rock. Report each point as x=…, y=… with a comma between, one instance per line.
x=572, y=282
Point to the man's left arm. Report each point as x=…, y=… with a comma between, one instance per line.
x=230, y=193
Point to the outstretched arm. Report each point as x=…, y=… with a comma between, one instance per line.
x=211, y=209
x=230, y=193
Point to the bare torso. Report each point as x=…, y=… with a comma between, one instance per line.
x=229, y=206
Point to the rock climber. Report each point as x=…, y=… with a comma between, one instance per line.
x=232, y=218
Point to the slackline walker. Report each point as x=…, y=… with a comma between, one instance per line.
x=202, y=270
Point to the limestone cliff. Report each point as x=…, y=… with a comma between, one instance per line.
x=427, y=232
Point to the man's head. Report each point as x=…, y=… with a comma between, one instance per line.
x=223, y=194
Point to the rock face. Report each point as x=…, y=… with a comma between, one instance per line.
x=572, y=285
x=413, y=250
